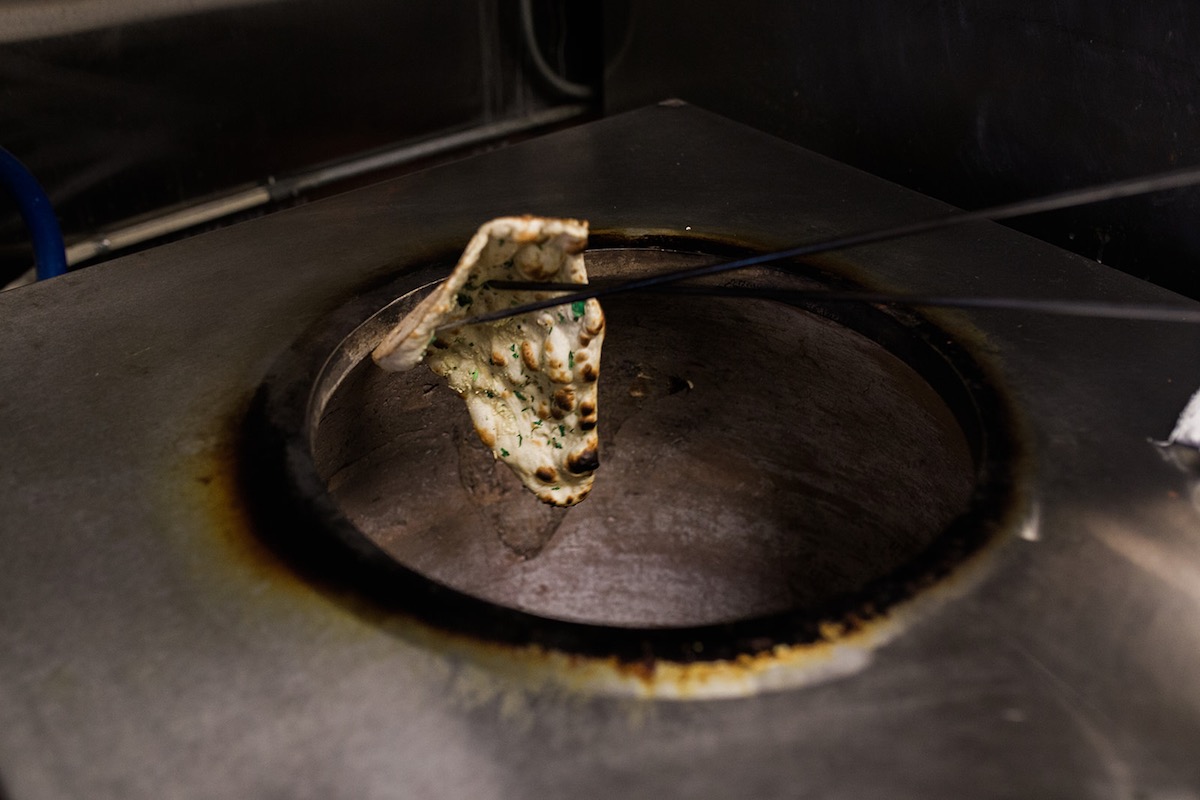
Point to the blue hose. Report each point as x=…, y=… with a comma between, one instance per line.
x=49, y=253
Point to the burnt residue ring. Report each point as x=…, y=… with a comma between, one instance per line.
x=775, y=481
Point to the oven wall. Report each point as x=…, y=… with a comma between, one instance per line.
x=971, y=102
x=125, y=107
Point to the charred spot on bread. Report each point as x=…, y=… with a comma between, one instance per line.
x=586, y=460
x=589, y=373
x=546, y=474
x=486, y=436
x=528, y=356
x=564, y=398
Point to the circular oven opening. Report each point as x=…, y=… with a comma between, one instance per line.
x=763, y=467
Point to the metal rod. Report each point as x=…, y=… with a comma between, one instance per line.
x=146, y=228
x=1174, y=179
x=1154, y=312
x=322, y=175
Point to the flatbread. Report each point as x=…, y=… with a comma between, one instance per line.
x=529, y=381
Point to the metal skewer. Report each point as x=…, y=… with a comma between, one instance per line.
x=1174, y=179
x=1152, y=312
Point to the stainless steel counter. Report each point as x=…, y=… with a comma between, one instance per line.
x=154, y=646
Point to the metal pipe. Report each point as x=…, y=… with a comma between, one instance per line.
x=139, y=230
x=391, y=157
x=563, y=86
x=38, y=214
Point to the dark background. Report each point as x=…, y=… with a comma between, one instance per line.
x=973, y=103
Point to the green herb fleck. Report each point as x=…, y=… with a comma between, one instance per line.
x=520, y=440
x=577, y=309
x=570, y=359
x=561, y=318
x=520, y=397
x=513, y=347
x=537, y=423
x=474, y=375
x=503, y=452
x=557, y=445
x=562, y=430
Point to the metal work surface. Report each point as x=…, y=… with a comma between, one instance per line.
x=154, y=642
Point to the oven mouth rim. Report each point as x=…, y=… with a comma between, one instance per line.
x=294, y=514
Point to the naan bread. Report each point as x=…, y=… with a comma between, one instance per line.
x=529, y=381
